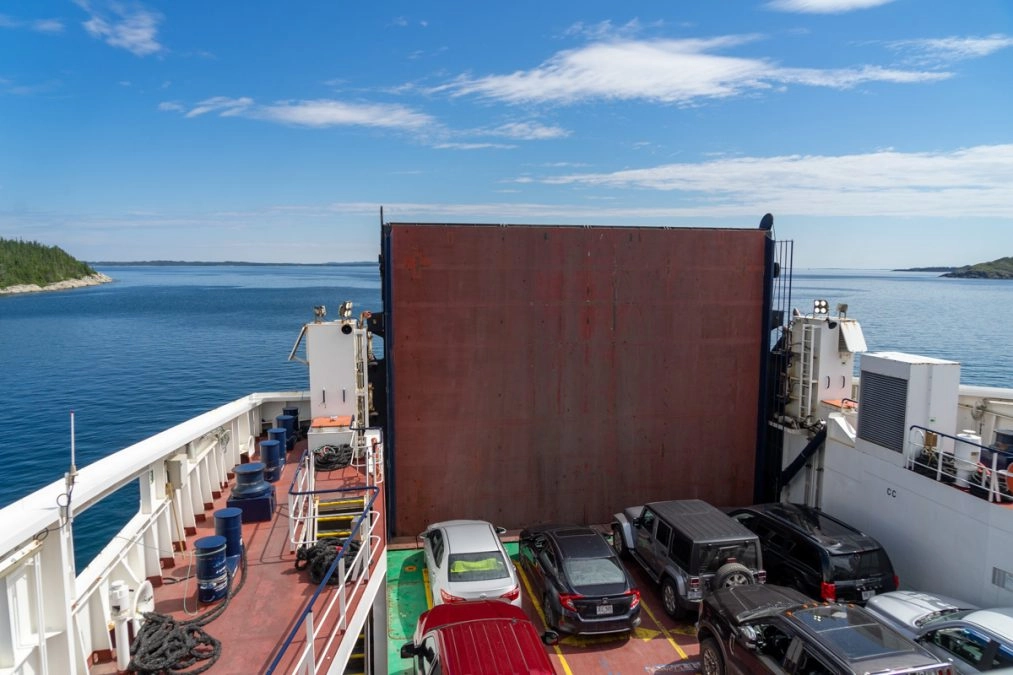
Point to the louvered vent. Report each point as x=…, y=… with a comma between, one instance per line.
x=881, y=410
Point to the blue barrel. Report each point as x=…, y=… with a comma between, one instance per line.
x=288, y=422
x=229, y=524
x=279, y=434
x=250, y=483
x=294, y=412
x=212, y=574
x=270, y=453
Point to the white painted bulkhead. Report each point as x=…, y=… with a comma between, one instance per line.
x=939, y=538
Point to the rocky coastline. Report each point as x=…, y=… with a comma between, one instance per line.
x=92, y=280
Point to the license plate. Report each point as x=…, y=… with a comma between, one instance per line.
x=603, y=609
x=868, y=594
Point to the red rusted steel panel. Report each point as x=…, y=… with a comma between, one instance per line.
x=553, y=373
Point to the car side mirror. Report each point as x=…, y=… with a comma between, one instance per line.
x=500, y=530
x=750, y=638
x=550, y=637
x=637, y=522
x=408, y=650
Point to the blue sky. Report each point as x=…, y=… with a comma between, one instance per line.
x=878, y=132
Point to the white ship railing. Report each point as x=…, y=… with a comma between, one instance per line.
x=990, y=480
x=352, y=570
x=54, y=621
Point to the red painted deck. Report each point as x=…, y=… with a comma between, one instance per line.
x=266, y=608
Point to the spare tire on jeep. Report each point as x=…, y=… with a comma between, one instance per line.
x=732, y=574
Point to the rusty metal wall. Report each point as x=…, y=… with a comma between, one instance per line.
x=552, y=373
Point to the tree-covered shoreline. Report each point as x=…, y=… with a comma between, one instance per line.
x=1001, y=268
x=29, y=263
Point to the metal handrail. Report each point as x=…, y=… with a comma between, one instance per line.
x=306, y=616
x=988, y=480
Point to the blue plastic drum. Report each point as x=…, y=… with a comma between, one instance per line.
x=229, y=524
x=279, y=434
x=270, y=452
x=212, y=573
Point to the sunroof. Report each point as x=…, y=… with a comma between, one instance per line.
x=852, y=633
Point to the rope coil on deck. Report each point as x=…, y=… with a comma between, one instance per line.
x=331, y=457
x=164, y=645
x=318, y=558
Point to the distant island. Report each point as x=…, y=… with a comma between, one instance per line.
x=925, y=269
x=1001, y=268
x=29, y=267
x=997, y=269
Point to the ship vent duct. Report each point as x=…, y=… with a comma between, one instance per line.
x=881, y=411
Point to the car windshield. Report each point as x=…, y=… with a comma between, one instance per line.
x=593, y=571
x=477, y=566
x=713, y=556
x=859, y=565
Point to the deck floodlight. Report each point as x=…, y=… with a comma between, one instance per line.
x=821, y=307
x=319, y=312
x=345, y=310
x=842, y=309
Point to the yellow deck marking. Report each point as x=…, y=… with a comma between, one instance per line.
x=429, y=591
x=645, y=634
x=538, y=609
x=667, y=635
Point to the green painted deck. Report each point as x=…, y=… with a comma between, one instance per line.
x=407, y=598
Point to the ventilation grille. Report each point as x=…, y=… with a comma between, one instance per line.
x=881, y=410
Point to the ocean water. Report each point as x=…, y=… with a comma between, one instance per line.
x=162, y=344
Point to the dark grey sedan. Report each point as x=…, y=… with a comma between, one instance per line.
x=582, y=586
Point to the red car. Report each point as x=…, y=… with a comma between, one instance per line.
x=478, y=637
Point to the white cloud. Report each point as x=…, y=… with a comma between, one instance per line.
x=473, y=146
x=823, y=6
x=132, y=28
x=37, y=25
x=329, y=113
x=317, y=114
x=528, y=131
x=950, y=49
x=227, y=107
x=604, y=29
x=171, y=106
x=666, y=71
x=973, y=181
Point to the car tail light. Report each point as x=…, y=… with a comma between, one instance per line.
x=828, y=592
x=566, y=600
x=761, y=576
x=448, y=598
x=694, y=583
x=896, y=582
x=512, y=594
x=634, y=598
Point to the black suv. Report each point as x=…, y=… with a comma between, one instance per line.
x=689, y=547
x=818, y=554
x=774, y=629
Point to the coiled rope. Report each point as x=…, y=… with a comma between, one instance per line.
x=318, y=558
x=331, y=457
x=164, y=645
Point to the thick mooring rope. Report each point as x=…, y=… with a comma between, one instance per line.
x=331, y=457
x=318, y=558
x=170, y=647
